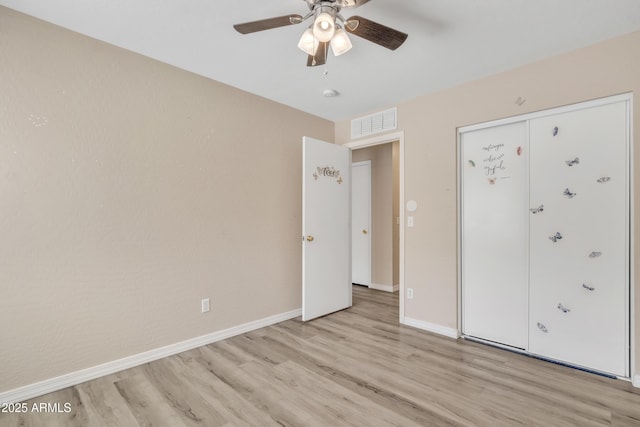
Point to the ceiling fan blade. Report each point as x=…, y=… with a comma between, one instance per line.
x=351, y=3
x=374, y=32
x=267, y=24
x=320, y=58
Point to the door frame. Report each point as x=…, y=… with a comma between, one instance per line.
x=358, y=164
x=387, y=139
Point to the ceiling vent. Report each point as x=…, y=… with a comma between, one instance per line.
x=374, y=123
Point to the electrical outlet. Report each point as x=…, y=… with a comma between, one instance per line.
x=409, y=293
x=205, y=305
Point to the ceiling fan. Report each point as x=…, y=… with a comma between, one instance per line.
x=329, y=28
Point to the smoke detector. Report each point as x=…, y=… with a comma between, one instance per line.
x=330, y=93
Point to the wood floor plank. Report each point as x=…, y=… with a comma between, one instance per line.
x=289, y=396
x=193, y=410
x=220, y=394
x=357, y=367
x=147, y=403
x=339, y=403
x=105, y=406
x=259, y=394
x=314, y=358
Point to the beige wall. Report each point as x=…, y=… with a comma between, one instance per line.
x=381, y=211
x=430, y=122
x=130, y=191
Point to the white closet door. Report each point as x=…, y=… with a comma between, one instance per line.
x=579, y=249
x=495, y=234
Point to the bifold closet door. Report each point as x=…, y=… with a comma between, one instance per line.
x=578, y=234
x=495, y=233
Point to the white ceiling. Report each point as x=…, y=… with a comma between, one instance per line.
x=450, y=42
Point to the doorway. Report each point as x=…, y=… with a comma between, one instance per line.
x=386, y=154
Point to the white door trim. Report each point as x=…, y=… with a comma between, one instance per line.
x=549, y=112
x=631, y=223
x=385, y=139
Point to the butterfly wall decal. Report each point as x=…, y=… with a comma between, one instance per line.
x=555, y=237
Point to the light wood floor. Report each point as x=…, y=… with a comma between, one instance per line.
x=358, y=367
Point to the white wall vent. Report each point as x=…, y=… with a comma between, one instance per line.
x=374, y=123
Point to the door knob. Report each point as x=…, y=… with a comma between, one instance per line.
x=309, y=238
x=365, y=231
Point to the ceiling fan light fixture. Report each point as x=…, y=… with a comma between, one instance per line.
x=324, y=27
x=340, y=42
x=308, y=42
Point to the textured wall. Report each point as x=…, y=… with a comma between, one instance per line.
x=130, y=191
x=430, y=124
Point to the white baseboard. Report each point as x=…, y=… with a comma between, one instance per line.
x=385, y=288
x=636, y=381
x=432, y=327
x=53, y=384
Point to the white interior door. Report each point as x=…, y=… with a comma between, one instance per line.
x=326, y=228
x=361, y=223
